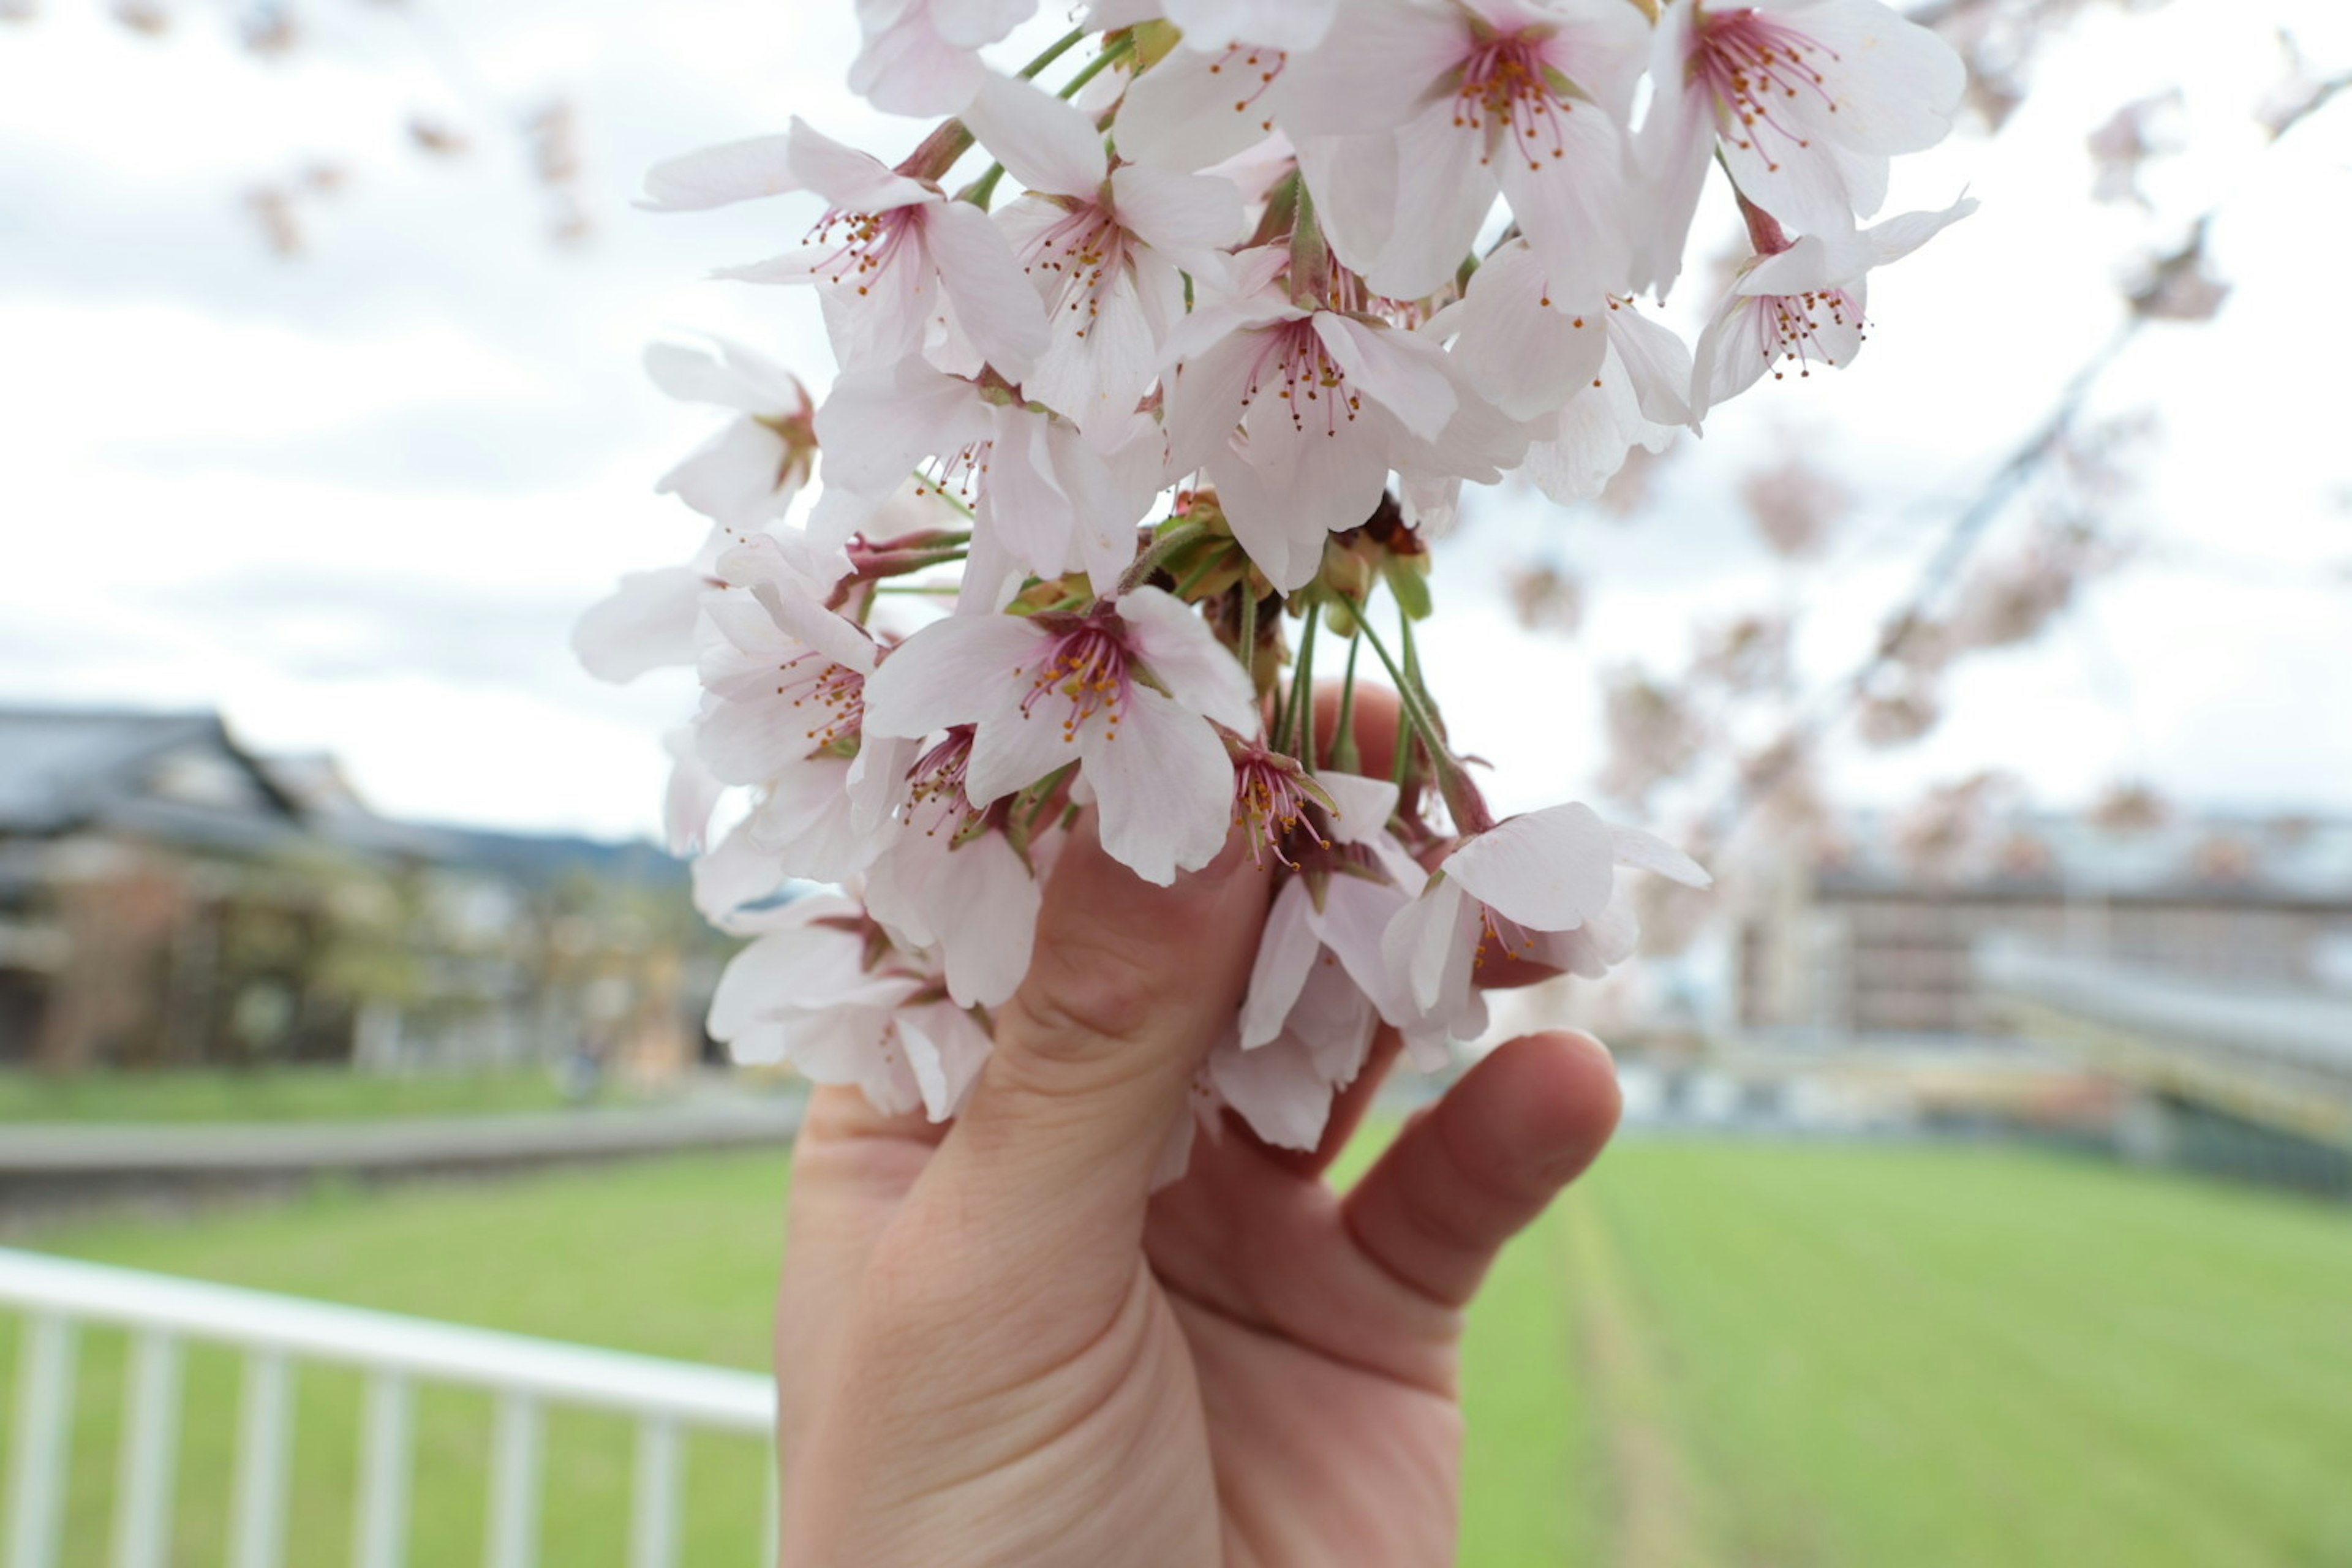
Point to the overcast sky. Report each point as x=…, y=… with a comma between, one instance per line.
x=353, y=501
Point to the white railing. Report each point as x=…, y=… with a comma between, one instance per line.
x=274, y=1332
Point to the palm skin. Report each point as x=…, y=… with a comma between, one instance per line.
x=993, y=1347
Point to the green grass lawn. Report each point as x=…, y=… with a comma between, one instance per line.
x=1712, y=1355
x=267, y=1094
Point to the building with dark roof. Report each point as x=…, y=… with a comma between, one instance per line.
x=169, y=897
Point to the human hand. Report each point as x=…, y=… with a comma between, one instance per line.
x=995, y=1346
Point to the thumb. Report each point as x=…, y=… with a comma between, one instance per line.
x=1130, y=986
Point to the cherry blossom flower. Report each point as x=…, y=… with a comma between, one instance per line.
x=922, y=56
x=953, y=881
x=1639, y=400
x=810, y=991
x=1321, y=984
x=1128, y=691
x=1803, y=304
x=1208, y=26
x=1804, y=99
x=1107, y=248
x=1048, y=500
x=1297, y=416
x=1539, y=886
x=649, y=621
x=897, y=264
x=1412, y=116
x=753, y=469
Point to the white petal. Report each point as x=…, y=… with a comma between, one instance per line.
x=954, y=672
x=736, y=873
x=648, y=624
x=1292, y=486
x=1573, y=207
x=879, y=422
x=1277, y=1091
x=1179, y=213
x=1013, y=749
x=1164, y=787
x=1657, y=362
x=1364, y=805
x=946, y=1047
x=1177, y=646
x=1549, y=870
x=741, y=477
x=1527, y=351
x=736, y=377
x=1041, y=141
x=718, y=176
x=970, y=24
x=1184, y=113
x=1205, y=398
x=1370, y=74
x=1424, y=940
x=994, y=302
x=1405, y=372
x=1279, y=24
x=1648, y=852
x=911, y=69
x=1286, y=950
x=851, y=180
x=1444, y=191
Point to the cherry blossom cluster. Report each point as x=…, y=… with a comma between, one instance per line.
x=1112, y=461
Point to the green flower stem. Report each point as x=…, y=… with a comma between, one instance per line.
x=1410, y=702
x=1158, y=554
x=1053, y=51
x=1118, y=49
x=1297, y=733
x=1248, y=644
x=1345, y=758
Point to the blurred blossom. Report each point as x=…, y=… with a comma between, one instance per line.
x=2009, y=602
x=1946, y=834
x=1546, y=599
x=2291, y=831
x=269, y=30
x=437, y=137
x=2130, y=807
x=1795, y=505
x=1999, y=38
x=2142, y=129
x=143, y=16
x=1628, y=491
x=1746, y=655
x=1653, y=735
x=19, y=10
x=1897, y=718
x=2224, y=858
x=1672, y=916
x=1783, y=783
x=272, y=207
x=2299, y=94
x=2176, y=287
x=2024, y=856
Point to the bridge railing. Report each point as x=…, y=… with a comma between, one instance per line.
x=275, y=1334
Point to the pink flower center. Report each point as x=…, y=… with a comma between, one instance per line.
x=1757, y=66
x=1089, y=249
x=1253, y=71
x=1085, y=671
x=833, y=695
x=1292, y=359
x=1789, y=326
x=1508, y=87
x=1499, y=937
x=1271, y=798
x=936, y=780
x=865, y=244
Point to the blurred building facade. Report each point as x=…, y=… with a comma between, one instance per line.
x=1868, y=941
x=168, y=898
